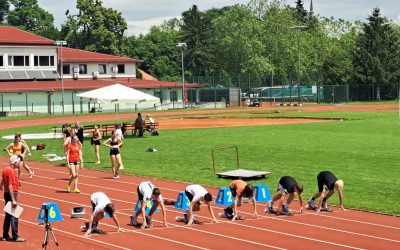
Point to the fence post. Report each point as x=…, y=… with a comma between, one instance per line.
x=10, y=105
x=2, y=106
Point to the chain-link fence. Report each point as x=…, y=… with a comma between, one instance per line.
x=285, y=90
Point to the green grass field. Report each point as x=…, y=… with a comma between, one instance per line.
x=363, y=151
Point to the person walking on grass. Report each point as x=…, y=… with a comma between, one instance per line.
x=287, y=186
x=114, y=143
x=9, y=183
x=96, y=142
x=101, y=204
x=74, y=159
x=327, y=183
x=240, y=189
x=196, y=194
x=19, y=148
x=148, y=192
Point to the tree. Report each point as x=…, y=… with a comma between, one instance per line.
x=4, y=9
x=238, y=45
x=299, y=12
x=95, y=28
x=28, y=15
x=376, y=60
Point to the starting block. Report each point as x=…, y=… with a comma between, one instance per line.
x=224, y=197
x=182, y=202
x=77, y=212
x=262, y=193
x=49, y=212
x=149, y=204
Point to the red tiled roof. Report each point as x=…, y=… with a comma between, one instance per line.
x=70, y=55
x=86, y=84
x=14, y=36
x=146, y=76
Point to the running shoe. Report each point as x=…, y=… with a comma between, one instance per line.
x=285, y=210
x=77, y=190
x=311, y=205
x=31, y=174
x=148, y=221
x=325, y=207
x=270, y=209
x=134, y=221
x=68, y=189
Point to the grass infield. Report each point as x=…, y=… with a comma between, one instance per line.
x=364, y=151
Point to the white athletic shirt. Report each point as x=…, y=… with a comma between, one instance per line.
x=197, y=191
x=119, y=134
x=146, y=189
x=100, y=200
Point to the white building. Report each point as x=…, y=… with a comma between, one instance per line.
x=31, y=82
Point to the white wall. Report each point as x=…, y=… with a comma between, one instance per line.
x=130, y=70
x=31, y=52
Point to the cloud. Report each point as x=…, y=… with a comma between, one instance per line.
x=137, y=27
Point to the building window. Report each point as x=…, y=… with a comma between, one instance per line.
x=1, y=61
x=66, y=69
x=83, y=69
x=121, y=68
x=173, y=96
x=18, y=61
x=43, y=61
x=102, y=69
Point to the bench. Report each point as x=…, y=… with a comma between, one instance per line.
x=106, y=129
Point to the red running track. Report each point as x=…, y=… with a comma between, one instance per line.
x=339, y=229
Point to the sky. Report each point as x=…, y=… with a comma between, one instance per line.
x=142, y=14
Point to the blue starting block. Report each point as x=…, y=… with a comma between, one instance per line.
x=149, y=204
x=182, y=202
x=224, y=197
x=262, y=193
x=49, y=212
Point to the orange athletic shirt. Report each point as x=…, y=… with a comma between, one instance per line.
x=17, y=149
x=74, y=152
x=239, y=186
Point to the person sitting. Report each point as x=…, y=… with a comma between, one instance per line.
x=139, y=121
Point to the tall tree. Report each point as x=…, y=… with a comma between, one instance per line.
x=300, y=12
x=196, y=33
x=95, y=27
x=377, y=54
x=238, y=45
x=4, y=9
x=28, y=15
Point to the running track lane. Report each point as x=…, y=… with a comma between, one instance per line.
x=302, y=231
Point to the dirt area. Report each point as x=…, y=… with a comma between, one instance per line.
x=211, y=117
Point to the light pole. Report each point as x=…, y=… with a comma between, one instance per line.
x=182, y=47
x=298, y=28
x=61, y=44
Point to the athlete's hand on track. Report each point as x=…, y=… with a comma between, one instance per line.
x=301, y=210
x=342, y=208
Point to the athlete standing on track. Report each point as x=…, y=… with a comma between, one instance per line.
x=96, y=142
x=74, y=159
x=19, y=148
x=287, y=186
x=327, y=183
x=114, y=143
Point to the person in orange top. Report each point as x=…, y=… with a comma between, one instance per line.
x=74, y=158
x=9, y=183
x=240, y=189
x=20, y=148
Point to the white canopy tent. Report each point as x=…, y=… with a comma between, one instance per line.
x=118, y=93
